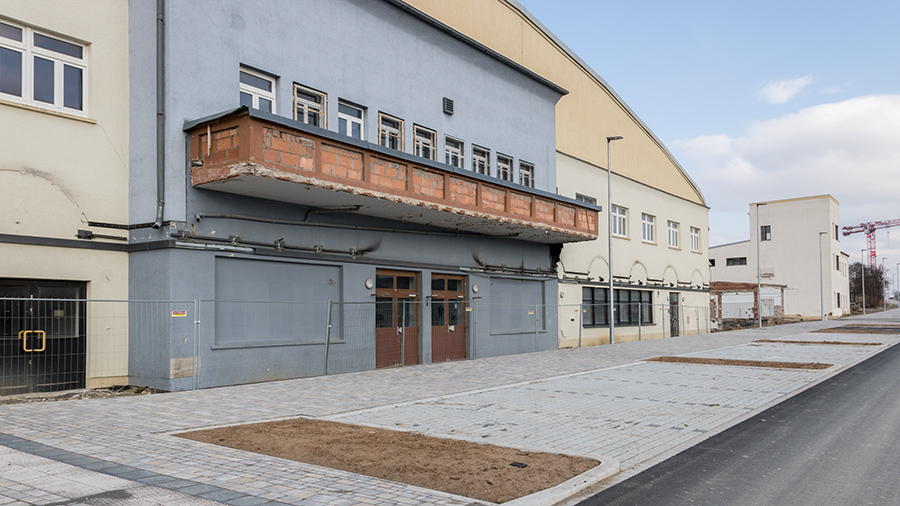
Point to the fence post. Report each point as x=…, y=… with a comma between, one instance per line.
x=474, y=319
x=195, y=372
x=535, y=327
x=580, y=322
x=697, y=316
x=402, y=333
x=662, y=309
x=327, y=334
x=640, y=319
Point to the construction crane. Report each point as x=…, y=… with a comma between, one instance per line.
x=870, y=228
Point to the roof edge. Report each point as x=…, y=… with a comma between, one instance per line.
x=521, y=8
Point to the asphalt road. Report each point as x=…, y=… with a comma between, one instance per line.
x=837, y=443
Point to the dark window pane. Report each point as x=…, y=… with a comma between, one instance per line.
x=10, y=72
x=43, y=80
x=437, y=313
x=72, y=87
x=356, y=132
x=457, y=310
x=342, y=126
x=384, y=281
x=11, y=32
x=265, y=105
x=349, y=111
x=256, y=82
x=437, y=284
x=246, y=99
x=57, y=45
x=384, y=312
x=406, y=283
x=410, y=315
x=454, y=285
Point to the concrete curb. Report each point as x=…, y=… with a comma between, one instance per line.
x=553, y=495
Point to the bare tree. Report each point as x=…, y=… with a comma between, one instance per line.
x=877, y=284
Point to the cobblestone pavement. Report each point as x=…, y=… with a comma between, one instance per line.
x=599, y=401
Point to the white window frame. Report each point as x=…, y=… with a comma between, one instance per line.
x=526, y=174
x=673, y=234
x=695, y=239
x=28, y=51
x=586, y=199
x=648, y=228
x=390, y=136
x=425, y=142
x=481, y=160
x=504, y=167
x=619, y=220
x=346, y=121
x=454, y=155
x=257, y=93
x=305, y=109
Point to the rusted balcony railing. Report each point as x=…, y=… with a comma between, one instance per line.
x=251, y=153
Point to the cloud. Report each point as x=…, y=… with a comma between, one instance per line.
x=831, y=90
x=779, y=92
x=849, y=149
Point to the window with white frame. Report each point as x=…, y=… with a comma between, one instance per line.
x=42, y=70
x=454, y=152
x=350, y=120
x=695, y=239
x=674, y=239
x=586, y=199
x=390, y=131
x=481, y=161
x=310, y=106
x=526, y=174
x=257, y=90
x=648, y=228
x=504, y=167
x=425, y=142
x=619, y=220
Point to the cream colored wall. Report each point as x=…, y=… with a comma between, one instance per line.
x=57, y=172
x=632, y=257
x=584, y=117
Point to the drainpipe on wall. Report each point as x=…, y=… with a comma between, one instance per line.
x=160, y=113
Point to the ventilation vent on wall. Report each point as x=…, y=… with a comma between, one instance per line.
x=448, y=106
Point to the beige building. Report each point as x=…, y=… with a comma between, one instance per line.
x=660, y=225
x=791, y=234
x=63, y=188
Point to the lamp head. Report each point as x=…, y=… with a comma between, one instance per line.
x=615, y=138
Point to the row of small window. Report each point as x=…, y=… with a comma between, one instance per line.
x=257, y=90
x=42, y=70
x=648, y=228
x=632, y=307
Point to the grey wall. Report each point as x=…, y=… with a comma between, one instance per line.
x=368, y=52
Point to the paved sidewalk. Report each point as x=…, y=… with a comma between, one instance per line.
x=599, y=401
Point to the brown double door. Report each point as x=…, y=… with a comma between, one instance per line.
x=448, y=317
x=396, y=318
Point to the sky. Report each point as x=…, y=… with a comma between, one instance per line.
x=759, y=100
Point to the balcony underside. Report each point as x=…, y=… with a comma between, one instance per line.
x=253, y=156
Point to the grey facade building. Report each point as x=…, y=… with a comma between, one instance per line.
x=350, y=151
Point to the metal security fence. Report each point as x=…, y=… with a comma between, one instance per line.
x=588, y=324
x=60, y=344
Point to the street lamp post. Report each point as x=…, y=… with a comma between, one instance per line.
x=883, y=298
x=612, y=319
x=758, y=276
x=821, y=281
x=862, y=263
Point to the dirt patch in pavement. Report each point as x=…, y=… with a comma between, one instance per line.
x=480, y=471
x=861, y=329
x=836, y=343
x=745, y=363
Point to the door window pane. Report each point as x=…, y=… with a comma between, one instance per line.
x=384, y=312
x=384, y=281
x=43, y=80
x=437, y=313
x=410, y=315
x=455, y=285
x=437, y=284
x=406, y=283
x=457, y=310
